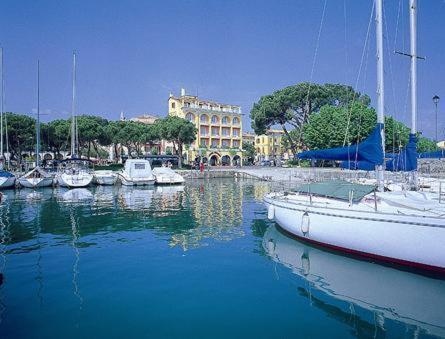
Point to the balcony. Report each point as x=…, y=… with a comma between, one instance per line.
x=194, y=107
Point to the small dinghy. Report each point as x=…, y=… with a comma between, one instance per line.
x=166, y=176
x=36, y=178
x=105, y=177
x=137, y=172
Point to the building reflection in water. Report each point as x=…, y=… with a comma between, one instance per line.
x=414, y=300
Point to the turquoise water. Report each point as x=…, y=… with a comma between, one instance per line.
x=199, y=261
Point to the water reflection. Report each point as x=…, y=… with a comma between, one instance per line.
x=189, y=216
x=390, y=294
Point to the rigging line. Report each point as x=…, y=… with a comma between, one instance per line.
x=397, y=25
x=314, y=59
x=359, y=71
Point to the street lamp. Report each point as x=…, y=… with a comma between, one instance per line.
x=436, y=101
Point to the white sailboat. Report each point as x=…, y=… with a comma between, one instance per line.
x=406, y=228
x=415, y=300
x=7, y=179
x=74, y=172
x=37, y=177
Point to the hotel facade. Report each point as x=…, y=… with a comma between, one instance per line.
x=268, y=146
x=219, y=137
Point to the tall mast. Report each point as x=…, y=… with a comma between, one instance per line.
x=1, y=103
x=38, y=117
x=380, y=86
x=413, y=52
x=73, y=110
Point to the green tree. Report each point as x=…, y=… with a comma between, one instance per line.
x=293, y=105
x=426, y=145
x=179, y=131
x=56, y=134
x=249, y=152
x=21, y=134
x=92, y=130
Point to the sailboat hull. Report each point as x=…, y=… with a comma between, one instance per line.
x=75, y=180
x=7, y=182
x=36, y=182
x=415, y=241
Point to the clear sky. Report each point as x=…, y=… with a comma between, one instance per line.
x=131, y=54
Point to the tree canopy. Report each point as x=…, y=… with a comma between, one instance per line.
x=293, y=105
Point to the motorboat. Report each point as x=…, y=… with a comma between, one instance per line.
x=402, y=227
x=418, y=301
x=137, y=172
x=105, y=177
x=36, y=178
x=166, y=176
x=74, y=173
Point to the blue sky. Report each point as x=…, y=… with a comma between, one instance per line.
x=131, y=54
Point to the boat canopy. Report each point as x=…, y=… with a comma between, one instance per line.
x=5, y=174
x=369, y=150
x=337, y=189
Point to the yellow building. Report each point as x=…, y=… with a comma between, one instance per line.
x=219, y=126
x=268, y=146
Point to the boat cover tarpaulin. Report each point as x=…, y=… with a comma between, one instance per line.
x=5, y=174
x=369, y=150
x=337, y=189
x=406, y=160
x=432, y=155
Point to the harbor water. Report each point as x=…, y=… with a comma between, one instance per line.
x=193, y=261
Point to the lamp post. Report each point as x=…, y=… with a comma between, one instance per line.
x=436, y=101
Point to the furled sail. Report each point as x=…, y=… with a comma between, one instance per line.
x=369, y=150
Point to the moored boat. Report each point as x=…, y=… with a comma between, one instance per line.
x=105, y=177
x=415, y=300
x=137, y=172
x=7, y=179
x=166, y=176
x=74, y=173
x=36, y=178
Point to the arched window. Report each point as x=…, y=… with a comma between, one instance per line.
x=215, y=119
x=225, y=120
x=204, y=118
x=235, y=121
x=189, y=117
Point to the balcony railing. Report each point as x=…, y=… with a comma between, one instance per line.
x=214, y=109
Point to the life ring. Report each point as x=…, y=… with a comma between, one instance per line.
x=271, y=212
x=305, y=223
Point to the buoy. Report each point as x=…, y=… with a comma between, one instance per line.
x=271, y=212
x=305, y=222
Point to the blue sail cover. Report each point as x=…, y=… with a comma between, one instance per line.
x=406, y=160
x=432, y=155
x=369, y=150
x=358, y=165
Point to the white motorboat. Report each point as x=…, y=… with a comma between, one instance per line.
x=36, y=178
x=137, y=172
x=166, y=176
x=105, y=177
x=415, y=300
x=74, y=173
x=406, y=228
